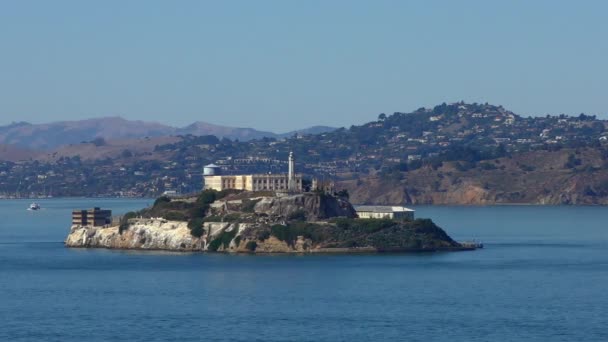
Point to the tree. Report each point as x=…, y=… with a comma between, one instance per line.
x=99, y=141
x=343, y=194
x=382, y=117
x=126, y=154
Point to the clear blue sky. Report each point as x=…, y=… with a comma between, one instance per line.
x=282, y=65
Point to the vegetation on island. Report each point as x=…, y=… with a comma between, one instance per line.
x=192, y=210
x=383, y=234
x=297, y=224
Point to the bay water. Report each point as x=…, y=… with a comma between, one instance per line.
x=542, y=276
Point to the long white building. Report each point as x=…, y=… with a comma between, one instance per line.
x=380, y=212
x=290, y=182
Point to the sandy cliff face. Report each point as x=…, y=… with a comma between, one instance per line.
x=144, y=234
x=156, y=234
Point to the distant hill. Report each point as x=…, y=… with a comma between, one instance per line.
x=458, y=153
x=534, y=177
x=311, y=130
x=52, y=135
x=242, y=134
x=13, y=153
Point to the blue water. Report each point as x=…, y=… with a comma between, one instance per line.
x=543, y=276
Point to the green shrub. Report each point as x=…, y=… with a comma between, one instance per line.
x=224, y=193
x=373, y=225
x=423, y=224
x=175, y=205
x=161, y=200
x=414, y=244
x=222, y=239
x=207, y=197
x=343, y=194
x=201, y=205
x=129, y=215
x=572, y=162
x=124, y=221
x=251, y=246
x=123, y=227
x=213, y=218
x=196, y=227
x=249, y=205
x=232, y=217
x=364, y=225
x=298, y=215
x=175, y=216
x=343, y=223
x=291, y=232
x=280, y=232
x=263, y=235
x=197, y=231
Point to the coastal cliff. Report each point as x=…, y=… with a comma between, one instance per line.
x=142, y=234
x=246, y=223
x=160, y=234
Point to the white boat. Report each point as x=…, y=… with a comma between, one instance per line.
x=34, y=206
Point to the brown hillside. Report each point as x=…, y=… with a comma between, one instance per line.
x=532, y=178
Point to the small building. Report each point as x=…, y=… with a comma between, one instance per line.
x=380, y=212
x=170, y=193
x=95, y=217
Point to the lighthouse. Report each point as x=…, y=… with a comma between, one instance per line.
x=291, y=175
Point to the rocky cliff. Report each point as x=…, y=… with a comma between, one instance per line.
x=341, y=236
x=142, y=234
x=311, y=206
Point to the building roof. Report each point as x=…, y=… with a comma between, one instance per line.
x=211, y=166
x=382, y=209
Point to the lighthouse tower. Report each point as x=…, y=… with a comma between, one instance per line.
x=291, y=176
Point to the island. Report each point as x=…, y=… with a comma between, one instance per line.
x=261, y=222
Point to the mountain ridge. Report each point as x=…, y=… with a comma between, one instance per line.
x=48, y=136
x=455, y=153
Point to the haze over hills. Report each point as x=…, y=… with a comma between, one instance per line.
x=459, y=153
x=55, y=134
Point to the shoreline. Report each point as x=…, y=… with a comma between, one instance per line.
x=322, y=251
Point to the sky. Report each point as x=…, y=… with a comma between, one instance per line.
x=284, y=65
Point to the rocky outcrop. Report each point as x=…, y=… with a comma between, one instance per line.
x=315, y=206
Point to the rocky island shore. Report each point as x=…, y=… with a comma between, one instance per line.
x=249, y=222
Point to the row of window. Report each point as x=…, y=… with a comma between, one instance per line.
x=263, y=181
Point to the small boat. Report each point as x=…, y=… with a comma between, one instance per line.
x=34, y=206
